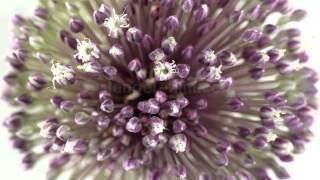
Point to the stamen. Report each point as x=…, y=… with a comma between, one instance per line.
x=116, y=23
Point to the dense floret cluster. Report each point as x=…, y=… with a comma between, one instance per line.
x=160, y=89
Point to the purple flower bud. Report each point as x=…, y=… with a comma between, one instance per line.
x=37, y=81
x=269, y=29
x=239, y=147
x=48, y=128
x=142, y=74
x=134, y=65
x=103, y=122
x=28, y=161
x=178, y=143
x=236, y=16
x=71, y=42
x=20, y=144
x=256, y=72
x=99, y=17
x=264, y=41
x=173, y=108
x=236, y=103
x=179, y=126
x=151, y=106
x=226, y=83
x=64, y=132
x=104, y=94
x=13, y=123
x=293, y=32
x=157, y=55
x=147, y=41
x=103, y=154
x=106, y=8
x=248, y=160
x=293, y=45
x=161, y=96
x=24, y=99
x=169, y=45
x=134, y=125
x=202, y=104
x=67, y=106
x=222, y=159
x=63, y=34
x=298, y=15
x=117, y=52
x=187, y=52
x=107, y=106
x=117, y=131
x=176, y=84
x=41, y=13
x=275, y=55
x=260, y=142
x=223, y=147
x=56, y=101
x=284, y=68
x=109, y=72
x=259, y=58
x=201, y=13
x=192, y=114
x=180, y=172
x=227, y=58
x=149, y=142
x=127, y=111
x=131, y=164
x=82, y=118
x=119, y=119
x=10, y=78
x=76, y=25
x=254, y=12
x=251, y=35
x=57, y=145
x=18, y=20
x=172, y=23
x=201, y=131
x=59, y=161
x=187, y=5
x=243, y=131
x=134, y=35
x=303, y=57
x=156, y=125
x=248, y=52
x=183, y=70
x=286, y=158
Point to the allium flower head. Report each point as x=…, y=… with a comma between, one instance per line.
x=160, y=89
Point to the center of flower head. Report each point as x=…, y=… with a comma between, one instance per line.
x=89, y=50
x=164, y=70
x=116, y=23
x=86, y=50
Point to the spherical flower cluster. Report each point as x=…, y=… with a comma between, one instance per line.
x=160, y=89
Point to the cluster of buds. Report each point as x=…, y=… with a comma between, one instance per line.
x=142, y=89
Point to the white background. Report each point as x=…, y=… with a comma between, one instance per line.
x=305, y=166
